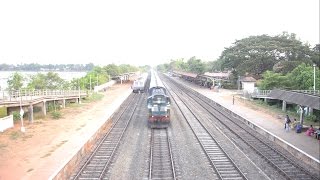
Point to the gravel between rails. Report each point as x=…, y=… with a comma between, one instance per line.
x=132, y=156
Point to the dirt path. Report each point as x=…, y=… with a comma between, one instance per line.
x=21, y=154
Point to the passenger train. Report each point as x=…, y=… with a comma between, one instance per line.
x=139, y=85
x=158, y=103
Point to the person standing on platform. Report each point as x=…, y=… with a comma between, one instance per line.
x=294, y=123
x=287, y=123
x=318, y=134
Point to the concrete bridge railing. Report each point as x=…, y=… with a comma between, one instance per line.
x=35, y=94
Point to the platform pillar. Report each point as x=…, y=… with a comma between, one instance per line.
x=44, y=108
x=310, y=111
x=284, y=106
x=30, y=113
x=301, y=114
x=64, y=103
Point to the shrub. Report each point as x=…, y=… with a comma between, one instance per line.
x=3, y=112
x=311, y=118
x=37, y=109
x=56, y=114
x=16, y=116
x=53, y=106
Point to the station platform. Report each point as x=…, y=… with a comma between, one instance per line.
x=307, y=144
x=78, y=140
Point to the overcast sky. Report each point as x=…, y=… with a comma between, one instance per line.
x=143, y=31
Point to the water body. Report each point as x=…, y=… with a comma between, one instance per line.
x=4, y=76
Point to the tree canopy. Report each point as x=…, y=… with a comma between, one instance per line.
x=257, y=54
x=300, y=78
x=15, y=82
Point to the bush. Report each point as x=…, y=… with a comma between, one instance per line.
x=53, y=106
x=56, y=114
x=3, y=112
x=16, y=116
x=37, y=109
x=311, y=118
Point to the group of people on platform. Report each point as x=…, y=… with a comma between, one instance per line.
x=298, y=127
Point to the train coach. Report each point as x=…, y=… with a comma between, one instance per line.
x=158, y=103
x=139, y=85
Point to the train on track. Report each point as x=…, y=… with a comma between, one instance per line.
x=158, y=103
x=140, y=84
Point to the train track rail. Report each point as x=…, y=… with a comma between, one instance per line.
x=161, y=161
x=223, y=165
x=97, y=164
x=263, y=147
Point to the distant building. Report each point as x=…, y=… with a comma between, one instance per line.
x=248, y=84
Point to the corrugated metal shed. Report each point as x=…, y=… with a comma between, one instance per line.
x=302, y=99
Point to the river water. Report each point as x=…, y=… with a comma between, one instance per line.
x=4, y=75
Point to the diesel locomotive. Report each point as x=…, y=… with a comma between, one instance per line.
x=158, y=103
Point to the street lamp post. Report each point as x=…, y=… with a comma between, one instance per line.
x=314, y=77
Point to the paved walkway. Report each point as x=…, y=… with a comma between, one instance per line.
x=307, y=144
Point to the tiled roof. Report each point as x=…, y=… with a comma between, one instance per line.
x=248, y=79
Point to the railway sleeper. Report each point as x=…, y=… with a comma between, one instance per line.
x=88, y=177
x=162, y=166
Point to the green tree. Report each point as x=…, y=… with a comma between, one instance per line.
x=257, y=54
x=15, y=81
x=112, y=70
x=272, y=80
x=50, y=80
x=302, y=77
x=178, y=65
x=195, y=65
x=53, y=81
x=38, y=81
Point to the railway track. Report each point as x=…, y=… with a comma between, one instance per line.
x=263, y=147
x=161, y=164
x=222, y=164
x=98, y=163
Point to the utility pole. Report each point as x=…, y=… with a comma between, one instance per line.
x=314, y=78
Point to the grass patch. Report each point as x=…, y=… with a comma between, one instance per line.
x=15, y=135
x=93, y=97
x=56, y=114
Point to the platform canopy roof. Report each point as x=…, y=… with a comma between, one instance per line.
x=303, y=99
x=193, y=75
x=220, y=75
